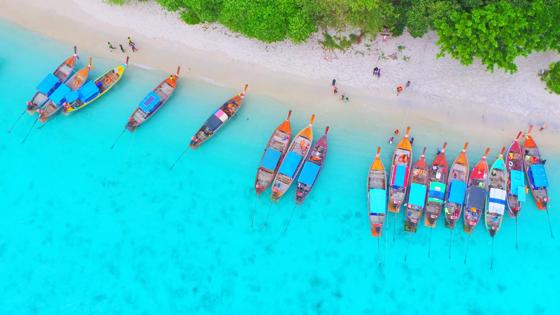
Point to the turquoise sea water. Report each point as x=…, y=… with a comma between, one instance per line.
x=88, y=230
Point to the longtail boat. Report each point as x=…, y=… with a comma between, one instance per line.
x=377, y=195
x=536, y=174
x=312, y=167
x=457, y=185
x=51, y=82
x=497, y=179
x=218, y=119
x=293, y=160
x=400, y=171
x=437, y=188
x=516, y=179
x=477, y=194
x=63, y=92
x=153, y=102
x=275, y=150
x=417, y=195
x=93, y=90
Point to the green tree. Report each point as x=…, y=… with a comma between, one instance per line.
x=499, y=32
x=552, y=77
x=268, y=20
x=194, y=11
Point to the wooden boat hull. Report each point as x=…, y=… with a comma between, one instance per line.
x=275, y=150
x=311, y=168
x=104, y=84
x=477, y=195
x=400, y=171
x=59, y=96
x=376, y=188
x=456, y=188
x=52, y=82
x=516, y=177
x=153, y=102
x=293, y=161
x=436, y=189
x=417, y=194
x=497, y=199
x=535, y=172
x=215, y=122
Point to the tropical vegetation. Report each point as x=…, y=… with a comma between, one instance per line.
x=495, y=32
x=552, y=77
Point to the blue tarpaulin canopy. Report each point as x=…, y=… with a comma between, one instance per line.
x=539, y=175
x=517, y=179
x=59, y=94
x=72, y=96
x=437, y=192
x=213, y=122
x=521, y=194
x=150, y=102
x=308, y=173
x=270, y=158
x=400, y=174
x=377, y=201
x=457, y=192
x=88, y=91
x=290, y=164
x=417, y=195
x=48, y=83
x=477, y=197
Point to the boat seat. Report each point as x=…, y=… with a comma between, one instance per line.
x=65, y=70
x=166, y=89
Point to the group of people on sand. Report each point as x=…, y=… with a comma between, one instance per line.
x=400, y=88
x=396, y=132
x=131, y=44
x=343, y=96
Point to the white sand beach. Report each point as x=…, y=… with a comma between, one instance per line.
x=442, y=90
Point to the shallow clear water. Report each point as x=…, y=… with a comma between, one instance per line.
x=88, y=230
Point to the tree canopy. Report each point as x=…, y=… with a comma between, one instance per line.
x=552, y=78
x=500, y=32
x=494, y=31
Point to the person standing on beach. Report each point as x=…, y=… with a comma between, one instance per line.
x=407, y=83
x=391, y=140
x=132, y=44
x=412, y=141
x=377, y=72
x=335, y=90
x=111, y=47
x=122, y=48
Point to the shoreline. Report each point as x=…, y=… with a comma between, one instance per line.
x=426, y=101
